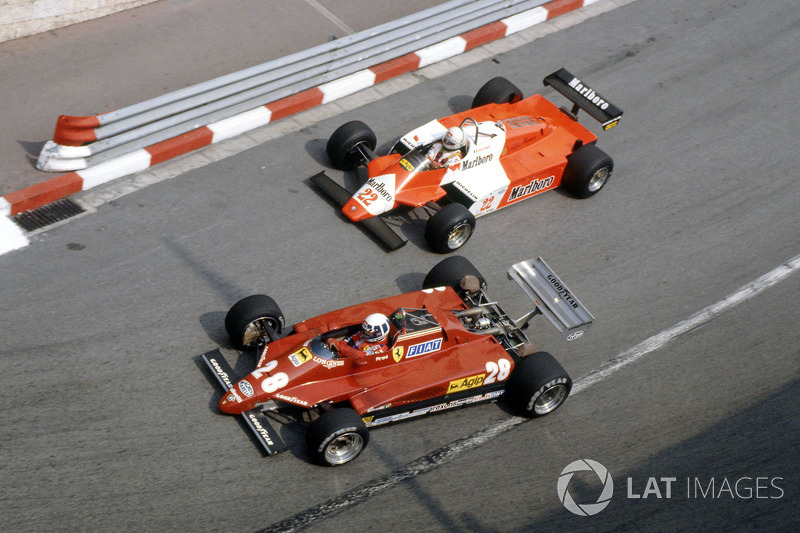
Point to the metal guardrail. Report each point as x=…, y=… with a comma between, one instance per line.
x=80, y=142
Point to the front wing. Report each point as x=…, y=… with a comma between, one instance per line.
x=264, y=433
x=375, y=225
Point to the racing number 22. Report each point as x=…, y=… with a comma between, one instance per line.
x=367, y=196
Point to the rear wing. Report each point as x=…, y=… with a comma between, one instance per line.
x=584, y=97
x=552, y=298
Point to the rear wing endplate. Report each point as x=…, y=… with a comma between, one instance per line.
x=584, y=97
x=263, y=432
x=552, y=298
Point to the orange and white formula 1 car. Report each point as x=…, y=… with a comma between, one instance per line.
x=513, y=149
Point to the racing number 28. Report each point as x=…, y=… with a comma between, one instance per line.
x=498, y=371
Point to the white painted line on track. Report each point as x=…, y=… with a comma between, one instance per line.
x=330, y=16
x=696, y=320
x=458, y=447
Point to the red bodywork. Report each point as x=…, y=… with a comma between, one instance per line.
x=425, y=361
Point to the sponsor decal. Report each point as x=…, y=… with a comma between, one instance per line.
x=466, y=383
x=436, y=408
x=588, y=93
x=424, y=348
x=382, y=357
x=367, y=419
x=246, y=388
x=260, y=429
x=397, y=354
x=221, y=373
x=472, y=163
x=406, y=165
x=291, y=399
x=327, y=363
x=562, y=291
x=300, y=356
x=380, y=188
x=575, y=335
x=523, y=191
x=378, y=408
x=466, y=190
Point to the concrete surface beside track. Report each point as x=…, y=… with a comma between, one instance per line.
x=104, y=64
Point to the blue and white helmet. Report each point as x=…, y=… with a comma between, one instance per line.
x=375, y=327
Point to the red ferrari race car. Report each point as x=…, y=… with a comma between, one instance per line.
x=503, y=150
x=448, y=345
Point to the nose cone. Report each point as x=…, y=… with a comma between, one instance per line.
x=238, y=399
x=375, y=197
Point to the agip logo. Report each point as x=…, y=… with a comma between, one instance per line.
x=585, y=509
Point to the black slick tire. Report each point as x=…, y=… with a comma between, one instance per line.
x=246, y=320
x=497, y=91
x=342, y=144
x=449, y=273
x=337, y=437
x=538, y=385
x=588, y=170
x=449, y=228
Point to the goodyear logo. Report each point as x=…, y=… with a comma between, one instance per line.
x=300, y=356
x=466, y=383
x=424, y=347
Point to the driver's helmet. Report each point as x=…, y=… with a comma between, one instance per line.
x=454, y=139
x=375, y=327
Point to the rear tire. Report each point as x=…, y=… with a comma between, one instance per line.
x=450, y=271
x=342, y=145
x=449, y=228
x=337, y=437
x=538, y=385
x=588, y=170
x=246, y=320
x=497, y=91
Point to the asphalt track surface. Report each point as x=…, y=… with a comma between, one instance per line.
x=688, y=259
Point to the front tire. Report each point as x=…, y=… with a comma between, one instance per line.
x=337, y=437
x=246, y=320
x=449, y=228
x=342, y=147
x=497, y=91
x=538, y=385
x=588, y=170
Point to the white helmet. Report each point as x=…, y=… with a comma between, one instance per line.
x=454, y=139
x=375, y=327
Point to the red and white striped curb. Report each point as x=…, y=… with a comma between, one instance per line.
x=139, y=160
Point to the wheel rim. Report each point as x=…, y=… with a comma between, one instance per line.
x=598, y=179
x=550, y=399
x=343, y=448
x=257, y=329
x=459, y=235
